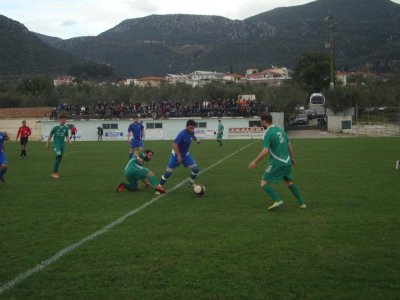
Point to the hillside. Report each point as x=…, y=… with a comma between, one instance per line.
x=22, y=52
x=366, y=35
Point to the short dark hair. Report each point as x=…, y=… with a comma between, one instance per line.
x=62, y=117
x=148, y=151
x=267, y=118
x=190, y=123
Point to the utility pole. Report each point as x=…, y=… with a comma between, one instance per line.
x=330, y=46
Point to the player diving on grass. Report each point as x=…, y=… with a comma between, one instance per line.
x=180, y=154
x=281, y=158
x=135, y=171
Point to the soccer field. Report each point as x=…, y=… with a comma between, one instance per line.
x=223, y=245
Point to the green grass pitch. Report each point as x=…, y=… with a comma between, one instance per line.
x=223, y=245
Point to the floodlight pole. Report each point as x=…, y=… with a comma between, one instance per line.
x=330, y=20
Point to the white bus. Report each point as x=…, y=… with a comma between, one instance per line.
x=317, y=104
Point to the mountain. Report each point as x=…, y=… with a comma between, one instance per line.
x=366, y=32
x=22, y=52
x=365, y=35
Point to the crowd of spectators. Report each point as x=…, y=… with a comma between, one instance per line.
x=162, y=110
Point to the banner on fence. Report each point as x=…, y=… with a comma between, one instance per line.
x=246, y=132
x=114, y=135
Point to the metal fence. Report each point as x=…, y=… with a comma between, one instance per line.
x=377, y=115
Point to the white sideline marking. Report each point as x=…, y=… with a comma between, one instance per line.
x=22, y=276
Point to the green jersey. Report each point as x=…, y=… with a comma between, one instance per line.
x=276, y=140
x=59, y=133
x=135, y=169
x=220, y=131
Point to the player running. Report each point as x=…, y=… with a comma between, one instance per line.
x=135, y=171
x=60, y=133
x=180, y=154
x=281, y=158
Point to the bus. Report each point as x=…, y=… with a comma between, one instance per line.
x=317, y=104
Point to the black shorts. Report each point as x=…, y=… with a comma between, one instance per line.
x=24, y=141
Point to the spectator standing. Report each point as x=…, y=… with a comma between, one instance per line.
x=99, y=134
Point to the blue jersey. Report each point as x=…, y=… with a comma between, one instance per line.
x=3, y=159
x=2, y=139
x=136, y=130
x=183, y=140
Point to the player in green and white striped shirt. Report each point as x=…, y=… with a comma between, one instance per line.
x=281, y=158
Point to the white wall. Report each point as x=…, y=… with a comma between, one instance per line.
x=335, y=123
x=235, y=128
x=11, y=126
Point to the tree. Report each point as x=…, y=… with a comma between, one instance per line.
x=312, y=71
x=88, y=71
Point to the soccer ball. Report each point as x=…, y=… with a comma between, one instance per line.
x=199, y=189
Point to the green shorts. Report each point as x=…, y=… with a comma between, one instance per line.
x=275, y=174
x=59, y=151
x=136, y=173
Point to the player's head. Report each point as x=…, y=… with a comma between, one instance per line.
x=63, y=119
x=148, y=154
x=266, y=120
x=219, y=121
x=190, y=125
x=23, y=122
x=135, y=119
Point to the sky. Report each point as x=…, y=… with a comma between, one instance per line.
x=72, y=18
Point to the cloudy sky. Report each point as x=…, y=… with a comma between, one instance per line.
x=71, y=18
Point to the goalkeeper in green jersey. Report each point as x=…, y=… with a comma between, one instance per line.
x=135, y=171
x=281, y=158
x=60, y=133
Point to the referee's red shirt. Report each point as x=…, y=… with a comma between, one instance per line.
x=24, y=131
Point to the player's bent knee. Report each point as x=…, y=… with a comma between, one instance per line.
x=195, y=169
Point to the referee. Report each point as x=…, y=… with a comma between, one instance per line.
x=24, y=132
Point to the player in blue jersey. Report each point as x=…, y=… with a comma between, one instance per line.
x=3, y=159
x=180, y=154
x=136, y=141
x=281, y=158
